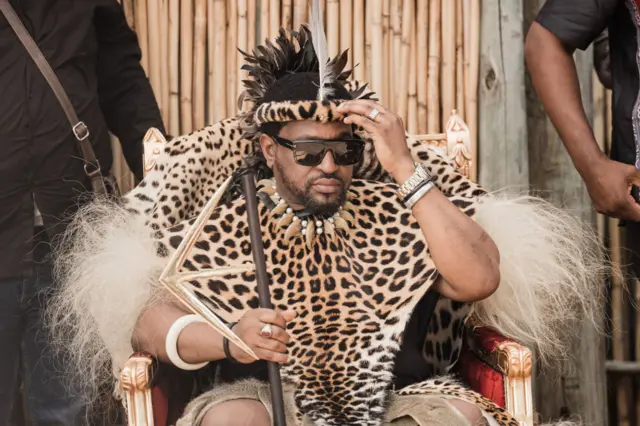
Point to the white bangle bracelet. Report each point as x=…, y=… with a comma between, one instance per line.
x=171, y=342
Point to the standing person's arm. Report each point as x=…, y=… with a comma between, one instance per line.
x=126, y=98
x=561, y=27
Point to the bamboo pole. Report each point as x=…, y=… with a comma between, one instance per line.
x=232, y=44
x=466, y=22
x=396, y=54
x=242, y=44
x=299, y=14
x=412, y=112
x=251, y=19
x=460, y=86
x=199, y=63
x=448, y=81
x=368, y=54
x=274, y=15
x=407, y=30
x=155, y=52
x=377, y=67
x=127, y=5
x=386, y=41
x=142, y=31
x=174, y=64
x=287, y=14
x=422, y=35
x=358, y=40
x=599, y=131
x=472, y=92
x=433, y=72
x=333, y=27
x=186, y=65
x=346, y=29
x=265, y=13
x=218, y=62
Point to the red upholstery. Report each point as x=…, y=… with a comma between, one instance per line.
x=479, y=375
x=483, y=378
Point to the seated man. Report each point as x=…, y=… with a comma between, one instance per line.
x=355, y=235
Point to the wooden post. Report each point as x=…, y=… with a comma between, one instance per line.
x=503, y=157
x=581, y=391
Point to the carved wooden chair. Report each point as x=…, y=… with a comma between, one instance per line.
x=493, y=365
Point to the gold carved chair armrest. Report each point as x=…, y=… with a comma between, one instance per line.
x=135, y=384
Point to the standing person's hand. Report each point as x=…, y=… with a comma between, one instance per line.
x=387, y=131
x=267, y=346
x=609, y=184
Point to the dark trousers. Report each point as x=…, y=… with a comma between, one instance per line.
x=25, y=355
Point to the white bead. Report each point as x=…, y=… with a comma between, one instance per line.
x=304, y=223
x=319, y=231
x=296, y=218
x=289, y=210
x=330, y=220
x=319, y=223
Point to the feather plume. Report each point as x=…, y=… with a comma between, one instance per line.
x=321, y=47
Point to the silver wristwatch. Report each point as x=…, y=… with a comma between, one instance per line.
x=417, y=179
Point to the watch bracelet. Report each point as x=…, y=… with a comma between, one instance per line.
x=419, y=176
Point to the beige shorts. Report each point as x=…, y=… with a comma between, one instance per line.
x=406, y=410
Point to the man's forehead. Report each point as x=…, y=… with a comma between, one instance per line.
x=313, y=129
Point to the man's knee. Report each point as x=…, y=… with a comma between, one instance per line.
x=241, y=412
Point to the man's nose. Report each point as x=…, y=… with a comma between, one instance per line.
x=328, y=164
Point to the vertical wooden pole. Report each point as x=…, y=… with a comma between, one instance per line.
x=460, y=85
x=252, y=23
x=386, y=41
x=219, y=62
x=333, y=27
x=346, y=29
x=174, y=67
x=300, y=12
x=155, y=52
x=265, y=13
x=142, y=31
x=242, y=32
x=368, y=53
x=287, y=15
x=448, y=76
x=358, y=40
x=396, y=54
x=581, y=391
x=422, y=36
x=274, y=15
x=433, y=72
x=377, y=68
x=412, y=111
x=474, y=63
x=232, y=53
x=199, y=63
x=405, y=55
x=186, y=65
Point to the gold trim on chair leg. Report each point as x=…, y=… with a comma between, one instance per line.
x=515, y=362
x=135, y=383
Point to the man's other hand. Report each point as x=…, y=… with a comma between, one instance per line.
x=609, y=184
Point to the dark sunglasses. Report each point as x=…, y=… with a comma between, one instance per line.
x=346, y=152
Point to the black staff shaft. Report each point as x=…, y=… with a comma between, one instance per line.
x=255, y=233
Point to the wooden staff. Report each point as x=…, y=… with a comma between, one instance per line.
x=232, y=53
x=422, y=35
x=346, y=29
x=174, y=64
x=472, y=92
x=407, y=29
x=274, y=14
x=142, y=31
x=460, y=86
x=358, y=40
x=433, y=72
x=186, y=65
x=242, y=44
x=219, y=61
x=333, y=27
x=448, y=76
x=386, y=41
x=299, y=14
x=396, y=54
x=377, y=67
x=262, y=280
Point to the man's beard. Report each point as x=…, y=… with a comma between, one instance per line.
x=325, y=206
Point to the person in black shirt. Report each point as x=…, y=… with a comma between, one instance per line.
x=96, y=57
x=561, y=27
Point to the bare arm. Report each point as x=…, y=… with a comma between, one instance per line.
x=554, y=76
x=466, y=257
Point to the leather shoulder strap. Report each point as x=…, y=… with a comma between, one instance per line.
x=80, y=130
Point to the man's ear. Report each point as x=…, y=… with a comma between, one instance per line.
x=268, y=146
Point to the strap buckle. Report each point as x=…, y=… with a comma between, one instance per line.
x=92, y=173
x=81, y=131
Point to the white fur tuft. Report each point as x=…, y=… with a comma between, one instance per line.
x=104, y=268
x=552, y=269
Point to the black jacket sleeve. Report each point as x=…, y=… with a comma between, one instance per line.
x=577, y=23
x=126, y=97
